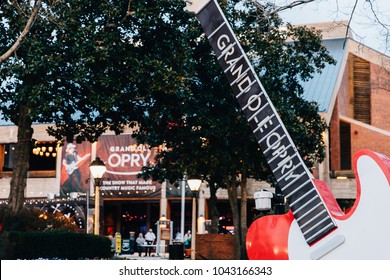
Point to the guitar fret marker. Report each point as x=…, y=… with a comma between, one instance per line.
x=236, y=60
x=325, y=229
x=269, y=133
x=304, y=205
x=231, y=46
x=306, y=214
x=315, y=226
x=276, y=143
x=284, y=162
x=216, y=30
x=253, y=100
x=302, y=197
x=246, y=89
x=291, y=183
x=312, y=219
x=289, y=173
x=279, y=153
x=240, y=77
x=266, y=119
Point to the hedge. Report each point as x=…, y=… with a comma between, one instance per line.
x=58, y=245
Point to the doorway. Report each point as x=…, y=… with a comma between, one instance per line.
x=131, y=216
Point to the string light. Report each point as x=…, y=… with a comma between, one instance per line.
x=127, y=193
x=67, y=206
x=46, y=149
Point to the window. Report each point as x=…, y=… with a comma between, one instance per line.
x=361, y=90
x=43, y=159
x=345, y=146
x=9, y=155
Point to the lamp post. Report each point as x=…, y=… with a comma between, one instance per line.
x=183, y=197
x=87, y=225
x=97, y=168
x=194, y=185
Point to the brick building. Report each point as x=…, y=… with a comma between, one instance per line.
x=353, y=96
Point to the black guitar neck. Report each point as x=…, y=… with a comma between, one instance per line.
x=283, y=158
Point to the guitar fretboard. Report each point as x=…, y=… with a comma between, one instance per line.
x=288, y=168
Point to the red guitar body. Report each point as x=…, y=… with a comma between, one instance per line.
x=365, y=227
x=267, y=237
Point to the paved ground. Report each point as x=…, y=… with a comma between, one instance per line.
x=137, y=257
x=163, y=255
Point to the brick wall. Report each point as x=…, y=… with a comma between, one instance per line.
x=380, y=97
x=215, y=247
x=363, y=137
x=380, y=115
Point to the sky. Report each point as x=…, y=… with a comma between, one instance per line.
x=365, y=25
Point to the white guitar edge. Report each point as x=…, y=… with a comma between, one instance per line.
x=364, y=232
x=330, y=245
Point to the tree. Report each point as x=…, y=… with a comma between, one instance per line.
x=90, y=67
x=83, y=67
x=204, y=130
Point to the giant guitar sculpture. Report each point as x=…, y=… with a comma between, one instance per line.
x=315, y=227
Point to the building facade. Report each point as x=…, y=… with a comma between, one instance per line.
x=127, y=203
x=352, y=95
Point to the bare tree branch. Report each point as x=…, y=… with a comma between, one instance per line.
x=350, y=20
x=26, y=30
x=278, y=9
x=381, y=23
x=386, y=26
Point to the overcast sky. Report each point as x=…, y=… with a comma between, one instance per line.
x=365, y=25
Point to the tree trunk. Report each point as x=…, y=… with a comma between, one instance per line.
x=233, y=200
x=21, y=163
x=244, y=217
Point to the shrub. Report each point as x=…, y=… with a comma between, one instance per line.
x=33, y=234
x=34, y=220
x=59, y=245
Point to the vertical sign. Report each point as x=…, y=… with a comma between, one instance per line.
x=75, y=168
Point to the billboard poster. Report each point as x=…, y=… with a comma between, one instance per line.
x=75, y=172
x=124, y=159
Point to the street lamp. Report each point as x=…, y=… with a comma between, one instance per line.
x=97, y=168
x=194, y=185
x=183, y=197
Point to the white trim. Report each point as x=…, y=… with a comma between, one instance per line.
x=336, y=88
x=366, y=126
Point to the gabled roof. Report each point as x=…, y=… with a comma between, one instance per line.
x=322, y=86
